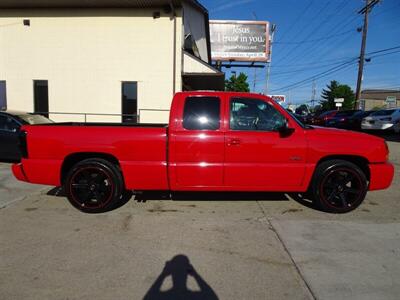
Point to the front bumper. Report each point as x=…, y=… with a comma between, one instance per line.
x=18, y=172
x=381, y=176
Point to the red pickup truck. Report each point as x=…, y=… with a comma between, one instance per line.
x=215, y=141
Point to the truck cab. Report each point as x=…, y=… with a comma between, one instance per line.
x=234, y=141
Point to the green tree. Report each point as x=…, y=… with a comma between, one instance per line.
x=237, y=84
x=337, y=90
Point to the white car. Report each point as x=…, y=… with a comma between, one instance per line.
x=385, y=119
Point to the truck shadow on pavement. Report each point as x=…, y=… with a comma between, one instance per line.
x=143, y=197
x=180, y=270
x=210, y=196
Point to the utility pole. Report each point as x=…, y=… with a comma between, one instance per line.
x=313, y=93
x=369, y=4
x=255, y=69
x=273, y=28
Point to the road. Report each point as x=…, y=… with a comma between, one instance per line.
x=243, y=246
x=12, y=190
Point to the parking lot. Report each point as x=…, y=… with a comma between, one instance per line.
x=198, y=246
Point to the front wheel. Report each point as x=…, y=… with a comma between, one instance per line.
x=94, y=186
x=338, y=186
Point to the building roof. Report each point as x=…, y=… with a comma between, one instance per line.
x=379, y=94
x=95, y=3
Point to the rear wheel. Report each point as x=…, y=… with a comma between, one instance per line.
x=338, y=186
x=94, y=186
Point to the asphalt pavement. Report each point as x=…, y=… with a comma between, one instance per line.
x=12, y=190
x=199, y=246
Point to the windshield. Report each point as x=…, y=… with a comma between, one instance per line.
x=385, y=112
x=35, y=119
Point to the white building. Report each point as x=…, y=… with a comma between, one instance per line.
x=103, y=56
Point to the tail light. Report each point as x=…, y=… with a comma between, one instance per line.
x=23, y=147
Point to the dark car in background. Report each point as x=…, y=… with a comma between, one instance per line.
x=323, y=118
x=354, y=122
x=342, y=119
x=10, y=124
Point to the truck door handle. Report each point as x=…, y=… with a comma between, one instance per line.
x=233, y=142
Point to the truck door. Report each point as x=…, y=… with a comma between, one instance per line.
x=258, y=157
x=197, y=145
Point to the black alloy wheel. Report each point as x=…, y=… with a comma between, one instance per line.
x=94, y=185
x=339, y=186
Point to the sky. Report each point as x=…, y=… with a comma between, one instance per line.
x=318, y=40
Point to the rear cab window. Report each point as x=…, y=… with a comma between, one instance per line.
x=202, y=113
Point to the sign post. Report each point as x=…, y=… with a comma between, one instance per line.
x=339, y=102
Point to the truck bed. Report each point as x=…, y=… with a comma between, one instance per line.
x=140, y=149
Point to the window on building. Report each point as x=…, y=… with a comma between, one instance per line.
x=129, y=102
x=3, y=95
x=202, y=113
x=41, y=97
x=253, y=114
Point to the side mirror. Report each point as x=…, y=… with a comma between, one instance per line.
x=285, y=130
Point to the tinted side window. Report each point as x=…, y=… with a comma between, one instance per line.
x=201, y=113
x=3, y=123
x=253, y=114
x=8, y=124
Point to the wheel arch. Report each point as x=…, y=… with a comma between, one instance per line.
x=74, y=158
x=359, y=161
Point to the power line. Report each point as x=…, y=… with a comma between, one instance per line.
x=318, y=79
x=320, y=25
x=317, y=39
x=324, y=73
x=335, y=60
x=383, y=50
x=312, y=50
x=385, y=10
x=340, y=67
x=314, y=18
x=303, y=12
x=384, y=54
x=374, y=54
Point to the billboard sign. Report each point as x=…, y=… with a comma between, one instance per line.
x=391, y=101
x=240, y=41
x=278, y=98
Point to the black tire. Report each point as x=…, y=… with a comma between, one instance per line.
x=94, y=185
x=338, y=186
